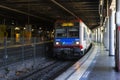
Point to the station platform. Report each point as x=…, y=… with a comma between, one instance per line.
x=98, y=65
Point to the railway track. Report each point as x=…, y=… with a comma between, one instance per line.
x=48, y=71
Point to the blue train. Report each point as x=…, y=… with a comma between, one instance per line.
x=72, y=38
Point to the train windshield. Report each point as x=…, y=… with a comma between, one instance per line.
x=61, y=32
x=73, y=32
x=67, y=32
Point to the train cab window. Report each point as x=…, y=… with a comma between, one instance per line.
x=76, y=24
x=73, y=32
x=61, y=32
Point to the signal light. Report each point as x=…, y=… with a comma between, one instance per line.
x=81, y=46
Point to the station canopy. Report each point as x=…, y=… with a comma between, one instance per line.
x=48, y=11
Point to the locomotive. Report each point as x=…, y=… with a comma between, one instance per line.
x=72, y=38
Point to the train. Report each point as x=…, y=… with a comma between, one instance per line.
x=72, y=38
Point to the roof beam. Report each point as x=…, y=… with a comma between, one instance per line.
x=22, y=12
x=55, y=2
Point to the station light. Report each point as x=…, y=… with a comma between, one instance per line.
x=101, y=15
x=12, y=23
x=47, y=31
x=32, y=29
x=101, y=2
x=17, y=28
x=24, y=28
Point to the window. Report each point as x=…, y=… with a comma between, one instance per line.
x=73, y=32
x=61, y=32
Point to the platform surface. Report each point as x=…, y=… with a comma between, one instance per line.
x=98, y=66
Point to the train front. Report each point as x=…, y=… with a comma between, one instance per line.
x=67, y=40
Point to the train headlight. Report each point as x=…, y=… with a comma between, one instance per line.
x=57, y=43
x=77, y=42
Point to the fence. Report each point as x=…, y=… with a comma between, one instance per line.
x=12, y=50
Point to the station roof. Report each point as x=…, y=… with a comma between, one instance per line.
x=48, y=11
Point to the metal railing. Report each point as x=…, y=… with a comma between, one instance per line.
x=14, y=50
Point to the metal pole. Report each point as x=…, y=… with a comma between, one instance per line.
x=96, y=35
x=5, y=50
x=110, y=34
x=34, y=50
x=23, y=50
x=104, y=34
x=100, y=34
x=107, y=35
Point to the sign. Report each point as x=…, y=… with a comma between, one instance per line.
x=67, y=24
